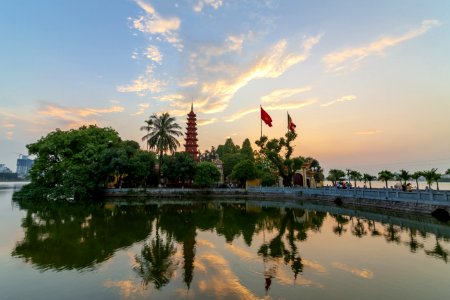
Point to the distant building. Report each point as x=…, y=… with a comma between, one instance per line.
x=24, y=164
x=4, y=169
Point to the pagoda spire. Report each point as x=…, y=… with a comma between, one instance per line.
x=191, y=145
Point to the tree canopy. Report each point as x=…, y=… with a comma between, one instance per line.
x=77, y=163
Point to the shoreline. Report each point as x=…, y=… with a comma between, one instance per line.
x=350, y=198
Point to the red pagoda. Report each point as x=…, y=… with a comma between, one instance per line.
x=191, y=145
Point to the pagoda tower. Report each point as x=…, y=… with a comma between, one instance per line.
x=191, y=145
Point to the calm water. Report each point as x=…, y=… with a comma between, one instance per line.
x=218, y=250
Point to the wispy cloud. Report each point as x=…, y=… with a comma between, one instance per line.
x=203, y=122
x=8, y=124
x=152, y=23
x=142, y=107
x=271, y=65
x=74, y=117
x=216, y=4
x=144, y=84
x=271, y=107
x=342, y=99
x=9, y=135
x=369, y=132
x=350, y=59
x=281, y=94
x=153, y=53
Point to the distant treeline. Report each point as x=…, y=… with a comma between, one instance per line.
x=10, y=177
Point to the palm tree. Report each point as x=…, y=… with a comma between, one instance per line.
x=431, y=176
x=161, y=136
x=385, y=176
x=356, y=176
x=416, y=175
x=404, y=175
x=147, y=128
x=366, y=177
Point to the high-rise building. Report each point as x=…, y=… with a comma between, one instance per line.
x=24, y=164
x=191, y=145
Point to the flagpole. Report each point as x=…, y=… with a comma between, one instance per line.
x=260, y=119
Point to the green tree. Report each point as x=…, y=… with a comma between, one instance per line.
x=246, y=150
x=162, y=135
x=385, y=176
x=209, y=155
x=179, y=167
x=404, y=176
x=368, y=178
x=67, y=162
x=355, y=176
x=273, y=151
x=230, y=160
x=432, y=176
x=228, y=148
x=416, y=175
x=206, y=174
x=335, y=175
x=447, y=172
x=243, y=171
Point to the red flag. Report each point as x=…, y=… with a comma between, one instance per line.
x=291, y=125
x=266, y=118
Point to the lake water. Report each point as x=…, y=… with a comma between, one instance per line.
x=218, y=250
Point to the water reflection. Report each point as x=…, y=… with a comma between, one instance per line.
x=74, y=237
x=64, y=236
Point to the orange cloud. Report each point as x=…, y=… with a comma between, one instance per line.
x=342, y=99
x=350, y=58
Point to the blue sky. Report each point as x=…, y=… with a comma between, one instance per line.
x=366, y=82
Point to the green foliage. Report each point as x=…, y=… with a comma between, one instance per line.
x=228, y=148
x=162, y=133
x=246, y=150
x=272, y=151
x=206, y=174
x=209, y=155
x=404, y=176
x=75, y=164
x=447, y=172
x=68, y=162
x=179, y=167
x=368, y=178
x=431, y=176
x=230, y=160
x=244, y=170
x=385, y=176
x=335, y=175
x=355, y=176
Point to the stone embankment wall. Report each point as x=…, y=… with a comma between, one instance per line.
x=414, y=201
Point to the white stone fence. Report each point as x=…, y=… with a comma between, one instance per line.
x=428, y=196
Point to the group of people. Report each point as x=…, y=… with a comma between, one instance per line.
x=343, y=185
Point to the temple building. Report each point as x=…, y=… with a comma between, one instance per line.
x=191, y=145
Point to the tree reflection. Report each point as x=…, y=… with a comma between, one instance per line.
x=413, y=243
x=358, y=229
x=438, y=251
x=341, y=221
x=155, y=264
x=392, y=233
x=60, y=236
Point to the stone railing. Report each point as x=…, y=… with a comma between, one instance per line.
x=433, y=196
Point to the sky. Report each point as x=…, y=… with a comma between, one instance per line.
x=366, y=82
